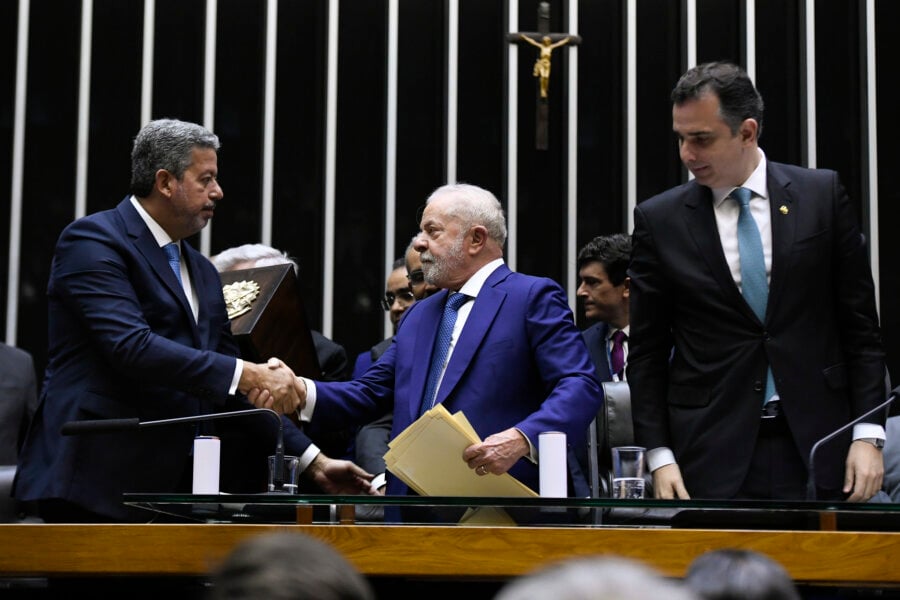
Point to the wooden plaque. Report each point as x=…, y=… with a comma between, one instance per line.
x=274, y=323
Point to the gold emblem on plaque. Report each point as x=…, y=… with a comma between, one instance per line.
x=239, y=297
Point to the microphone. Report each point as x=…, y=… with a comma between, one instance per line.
x=113, y=425
x=811, y=479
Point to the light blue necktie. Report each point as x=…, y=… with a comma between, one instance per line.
x=441, y=348
x=172, y=254
x=754, y=286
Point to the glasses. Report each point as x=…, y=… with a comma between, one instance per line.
x=404, y=296
x=416, y=277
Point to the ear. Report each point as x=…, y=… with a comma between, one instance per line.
x=749, y=131
x=165, y=183
x=626, y=288
x=479, y=238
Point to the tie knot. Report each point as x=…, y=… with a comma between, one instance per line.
x=171, y=250
x=456, y=300
x=619, y=336
x=742, y=195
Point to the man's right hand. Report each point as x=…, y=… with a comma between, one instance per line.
x=668, y=484
x=272, y=385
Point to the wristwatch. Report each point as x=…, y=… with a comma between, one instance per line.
x=877, y=442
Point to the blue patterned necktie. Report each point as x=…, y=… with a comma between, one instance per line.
x=754, y=285
x=441, y=347
x=172, y=254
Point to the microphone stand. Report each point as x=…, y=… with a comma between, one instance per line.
x=111, y=425
x=811, y=479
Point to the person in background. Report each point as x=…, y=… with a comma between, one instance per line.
x=138, y=329
x=397, y=298
x=594, y=578
x=603, y=290
x=417, y=283
x=18, y=400
x=739, y=574
x=754, y=331
x=287, y=566
x=331, y=355
x=372, y=439
x=514, y=362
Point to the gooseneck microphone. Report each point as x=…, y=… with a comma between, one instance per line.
x=113, y=425
x=811, y=479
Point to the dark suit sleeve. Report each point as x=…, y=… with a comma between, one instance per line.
x=650, y=341
x=858, y=317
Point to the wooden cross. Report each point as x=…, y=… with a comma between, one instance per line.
x=546, y=42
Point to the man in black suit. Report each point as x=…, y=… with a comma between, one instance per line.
x=729, y=394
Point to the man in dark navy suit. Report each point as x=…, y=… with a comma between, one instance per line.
x=138, y=328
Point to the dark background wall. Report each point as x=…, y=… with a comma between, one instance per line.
x=298, y=197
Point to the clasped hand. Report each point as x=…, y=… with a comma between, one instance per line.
x=273, y=385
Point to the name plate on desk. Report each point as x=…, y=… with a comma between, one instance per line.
x=269, y=317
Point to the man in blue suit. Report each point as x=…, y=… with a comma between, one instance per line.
x=137, y=330
x=517, y=365
x=754, y=331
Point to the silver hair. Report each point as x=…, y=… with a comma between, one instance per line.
x=166, y=144
x=474, y=206
x=595, y=578
x=260, y=254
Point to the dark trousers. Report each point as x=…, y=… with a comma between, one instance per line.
x=777, y=471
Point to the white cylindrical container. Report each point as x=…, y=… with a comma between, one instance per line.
x=206, y=465
x=552, y=464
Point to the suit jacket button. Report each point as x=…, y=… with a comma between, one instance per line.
x=757, y=386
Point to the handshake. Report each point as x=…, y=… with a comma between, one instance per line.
x=273, y=385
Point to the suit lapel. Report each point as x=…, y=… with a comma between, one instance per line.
x=204, y=288
x=701, y=222
x=146, y=244
x=784, y=220
x=428, y=313
x=484, y=310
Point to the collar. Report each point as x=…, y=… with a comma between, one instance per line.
x=474, y=284
x=756, y=183
x=612, y=330
x=159, y=234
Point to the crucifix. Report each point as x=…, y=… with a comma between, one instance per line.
x=546, y=43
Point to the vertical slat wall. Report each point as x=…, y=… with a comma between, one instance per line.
x=330, y=148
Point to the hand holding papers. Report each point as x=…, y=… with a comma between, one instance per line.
x=427, y=457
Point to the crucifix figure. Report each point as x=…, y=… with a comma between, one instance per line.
x=546, y=42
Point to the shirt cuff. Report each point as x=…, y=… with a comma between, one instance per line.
x=306, y=413
x=309, y=455
x=532, y=453
x=868, y=430
x=659, y=457
x=236, y=378
x=378, y=481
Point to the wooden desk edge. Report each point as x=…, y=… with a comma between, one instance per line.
x=820, y=557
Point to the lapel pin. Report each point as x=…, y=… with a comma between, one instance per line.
x=783, y=209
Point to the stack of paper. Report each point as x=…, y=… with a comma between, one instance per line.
x=427, y=457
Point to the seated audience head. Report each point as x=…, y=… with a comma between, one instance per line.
x=420, y=288
x=595, y=578
x=398, y=295
x=249, y=256
x=735, y=574
x=603, y=280
x=287, y=566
